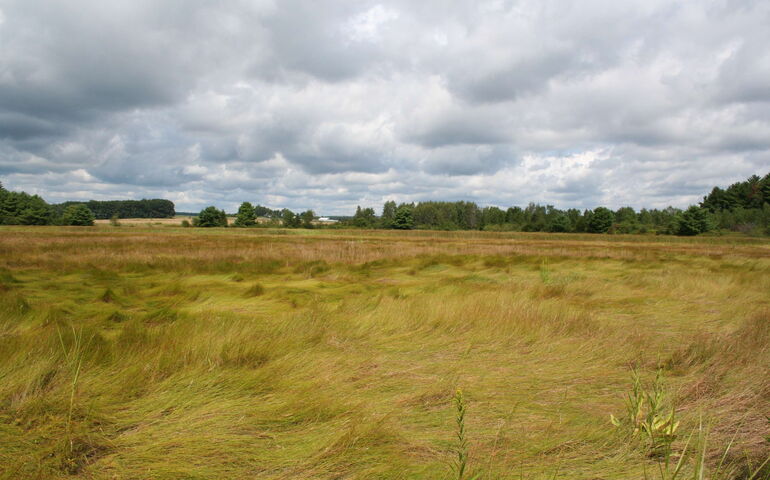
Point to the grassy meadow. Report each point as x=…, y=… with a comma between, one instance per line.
x=169, y=353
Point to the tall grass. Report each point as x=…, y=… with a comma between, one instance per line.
x=176, y=353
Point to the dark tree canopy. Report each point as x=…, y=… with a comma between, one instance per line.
x=750, y=194
x=388, y=214
x=20, y=208
x=78, y=215
x=463, y=215
x=261, y=211
x=601, y=220
x=290, y=219
x=246, y=216
x=364, y=217
x=307, y=218
x=693, y=221
x=404, y=217
x=559, y=223
x=152, y=208
x=211, y=217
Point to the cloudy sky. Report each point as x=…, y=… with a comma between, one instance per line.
x=328, y=104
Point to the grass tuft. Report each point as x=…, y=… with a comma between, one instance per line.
x=108, y=296
x=255, y=290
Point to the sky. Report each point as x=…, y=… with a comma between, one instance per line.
x=325, y=105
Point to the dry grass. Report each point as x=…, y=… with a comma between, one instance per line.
x=178, y=353
x=147, y=222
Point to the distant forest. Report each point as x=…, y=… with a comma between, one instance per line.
x=153, y=208
x=20, y=208
x=742, y=207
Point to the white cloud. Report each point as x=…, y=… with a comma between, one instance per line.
x=330, y=104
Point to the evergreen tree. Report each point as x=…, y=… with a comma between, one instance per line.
x=693, y=221
x=246, y=216
x=78, y=215
x=404, y=219
x=388, y=214
x=20, y=208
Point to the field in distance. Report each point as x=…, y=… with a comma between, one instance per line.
x=163, y=222
x=282, y=354
x=175, y=221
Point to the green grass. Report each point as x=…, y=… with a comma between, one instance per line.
x=181, y=353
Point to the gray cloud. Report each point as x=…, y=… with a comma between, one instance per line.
x=329, y=104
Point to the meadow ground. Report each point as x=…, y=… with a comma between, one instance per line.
x=137, y=352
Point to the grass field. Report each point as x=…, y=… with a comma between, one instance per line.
x=147, y=222
x=137, y=353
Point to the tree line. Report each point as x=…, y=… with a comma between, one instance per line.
x=145, y=208
x=248, y=214
x=20, y=208
x=743, y=207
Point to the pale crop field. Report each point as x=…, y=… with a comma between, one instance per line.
x=137, y=353
x=146, y=222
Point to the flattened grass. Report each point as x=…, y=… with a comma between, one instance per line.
x=165, y=353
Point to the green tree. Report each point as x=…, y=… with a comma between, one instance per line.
x=78, y=215
x=261, y=211
x=625, y=214
x=290, y=219
x=388, y=214
x=152, y=208
x=559, y=223
x=693, y=221
x=307, y=218
x=535, y=218
x=364, y=217
x=404, y=219
x=601, y=220
x=36, y=212
x=20, y=208
x=515, y=216
x=211, y=217
x=246, y=215
x=492, y=216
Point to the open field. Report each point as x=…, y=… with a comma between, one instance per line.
x=281, y=354
x=147, y=222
